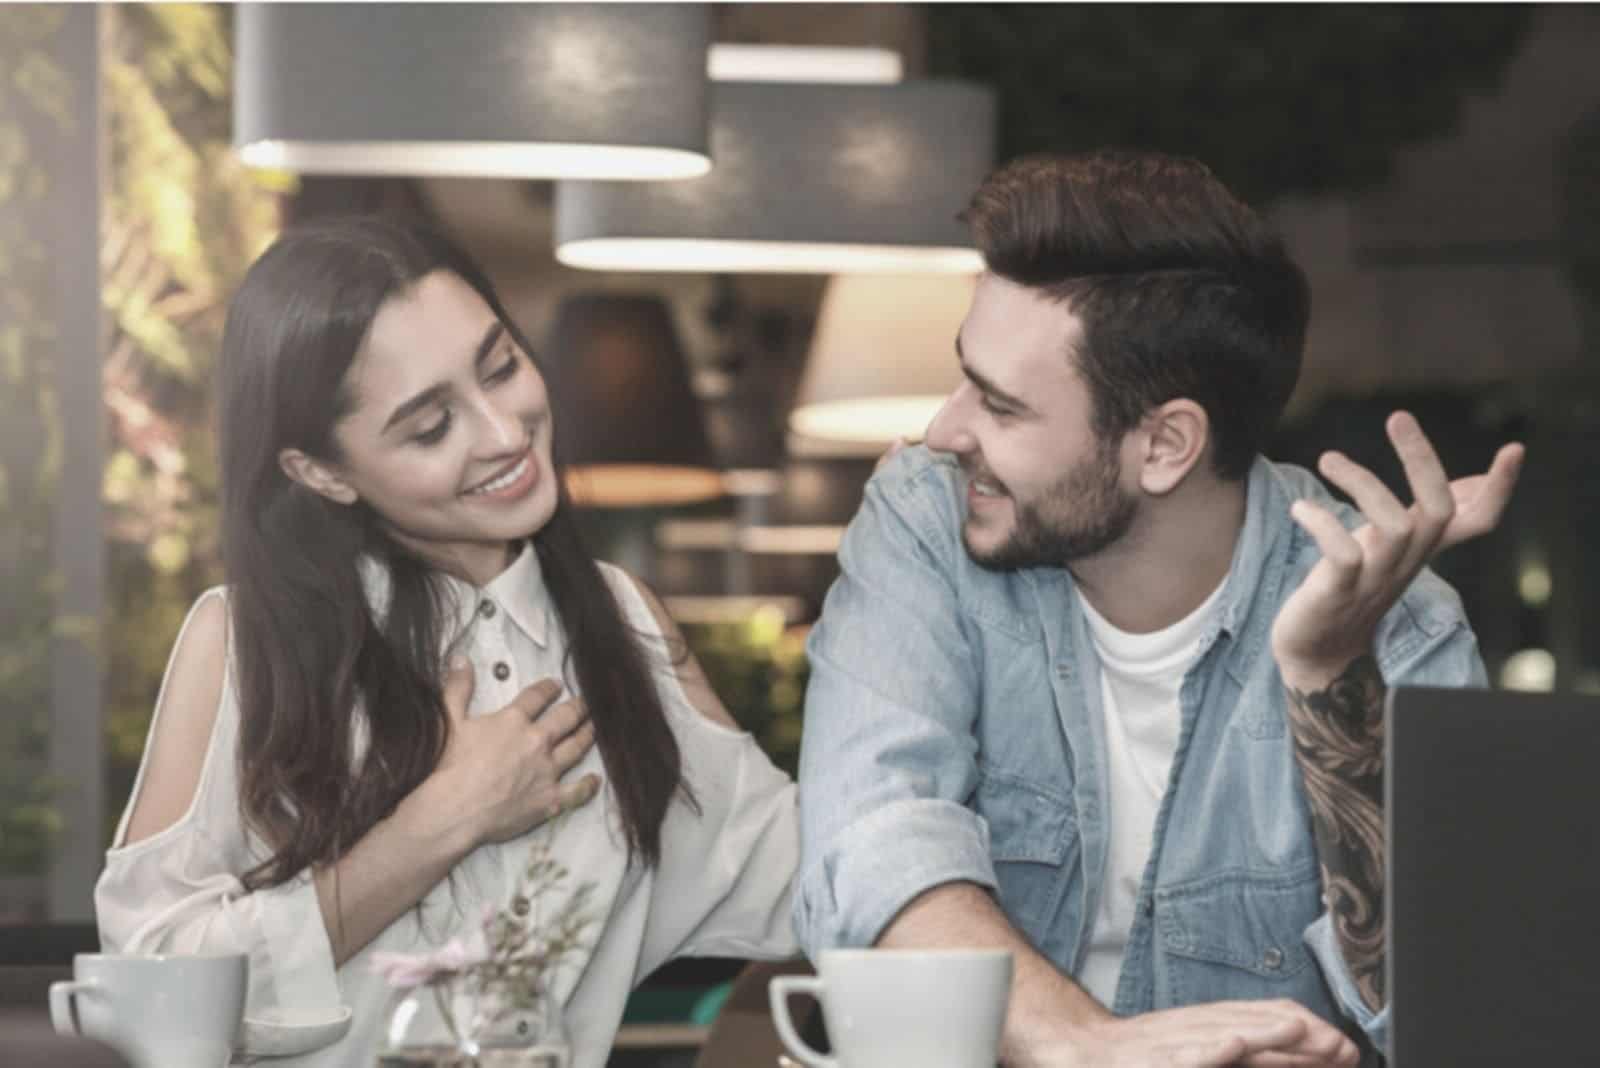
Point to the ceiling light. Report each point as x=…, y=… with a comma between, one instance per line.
x=614, y=91
x=808, y=179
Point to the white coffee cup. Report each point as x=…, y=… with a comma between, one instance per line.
x=159, y=1011
x=902, y=1008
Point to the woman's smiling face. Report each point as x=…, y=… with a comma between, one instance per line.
x=448, y=435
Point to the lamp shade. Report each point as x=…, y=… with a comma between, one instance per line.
x=882, y=361
x=628, y=426
x=808, y=178
x=614, y=91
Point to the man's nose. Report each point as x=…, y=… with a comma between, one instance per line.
x=948, y=430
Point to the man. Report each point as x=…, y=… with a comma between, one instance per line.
x=1101, y=685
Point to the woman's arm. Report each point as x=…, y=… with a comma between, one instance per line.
x=499, y=777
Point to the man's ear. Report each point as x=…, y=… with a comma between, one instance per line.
x=316, y=476
x=1176, y=437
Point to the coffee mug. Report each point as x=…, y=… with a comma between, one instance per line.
x=158, y=1011
x=901, y=1008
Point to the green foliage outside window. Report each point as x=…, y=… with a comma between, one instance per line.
x=35, y=108
x=182, y=221
x=758, y=668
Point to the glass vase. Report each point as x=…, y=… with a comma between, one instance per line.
x=455, y=1023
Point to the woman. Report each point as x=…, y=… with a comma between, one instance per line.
x=347, y=755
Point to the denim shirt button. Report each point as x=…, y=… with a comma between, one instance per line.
x=1150, y=909
x=1273, y=960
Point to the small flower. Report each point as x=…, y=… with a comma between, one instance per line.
x=463, y=952
x=406, y=970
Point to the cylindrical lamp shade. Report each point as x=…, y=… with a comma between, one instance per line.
x=627, y=424
x=882, y=361
x=615, y=91
x=817, y=492
x=808, y=179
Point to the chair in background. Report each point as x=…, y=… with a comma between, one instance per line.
x=31, y=958
x=743, y=1035
x=27, y=1041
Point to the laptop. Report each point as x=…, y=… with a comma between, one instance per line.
x=1493, y=818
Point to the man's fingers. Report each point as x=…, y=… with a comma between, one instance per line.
x=1278, y=1034
x=1381, y=507
x=1430, y=486
x=1340, y=550
x=1240, y=1042
x=895, y=446
x=1216, y=1053
x=458, y=683
x=1480, y=500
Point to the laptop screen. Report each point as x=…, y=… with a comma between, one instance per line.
x=1493, y=815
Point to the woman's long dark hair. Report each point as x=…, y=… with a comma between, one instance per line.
x=309, y=649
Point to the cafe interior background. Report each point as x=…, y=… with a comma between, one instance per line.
x=736, y=348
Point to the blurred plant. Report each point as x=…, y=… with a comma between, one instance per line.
x=758, y=668
x=183, y=220
x=29, y=822
x=36, y=107
x=1277, y=99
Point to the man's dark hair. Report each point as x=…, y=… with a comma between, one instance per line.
x=1182, y=290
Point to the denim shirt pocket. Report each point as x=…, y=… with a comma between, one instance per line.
x=1240, y=935
x=1033, y=841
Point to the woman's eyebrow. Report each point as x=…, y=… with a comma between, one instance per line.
x=433, y=393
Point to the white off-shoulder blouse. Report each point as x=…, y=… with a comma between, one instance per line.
x=721, y=889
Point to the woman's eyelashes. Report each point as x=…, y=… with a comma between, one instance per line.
x=504, y=371
x=434, y=433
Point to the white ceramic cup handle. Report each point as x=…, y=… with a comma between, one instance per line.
x=778, y=993
x=61, y=1004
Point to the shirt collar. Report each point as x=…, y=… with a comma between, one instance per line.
x=518, y=591
x=1253, y=571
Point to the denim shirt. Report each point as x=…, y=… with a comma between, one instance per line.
x=954, y=732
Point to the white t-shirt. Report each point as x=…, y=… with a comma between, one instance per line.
x=722, y=887
x=1140, y=676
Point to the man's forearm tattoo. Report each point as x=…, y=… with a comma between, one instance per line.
x=1338, y=743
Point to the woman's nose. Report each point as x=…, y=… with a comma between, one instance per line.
x=503, y=426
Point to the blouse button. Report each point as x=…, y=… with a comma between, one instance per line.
x=486, y=609
x=1273, y=959
x=502, y=670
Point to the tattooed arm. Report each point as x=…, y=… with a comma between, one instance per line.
x=1337, y=727
x=1323, y=641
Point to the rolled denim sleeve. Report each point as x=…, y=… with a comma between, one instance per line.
x=888, y=757
x=1425, y=641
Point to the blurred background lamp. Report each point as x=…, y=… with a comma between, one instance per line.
x=882, y=361
x=808, y=179
x=1532, y=670
x=615, y=91
x=803, y=63
x=628, y=425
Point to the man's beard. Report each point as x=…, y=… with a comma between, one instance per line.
x=1082, y=514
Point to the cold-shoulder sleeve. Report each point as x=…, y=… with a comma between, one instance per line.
x=726, y=876
x=179, y=890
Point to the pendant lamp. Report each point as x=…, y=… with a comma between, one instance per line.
x=818, y=178
x=882, y=361
x=614, y=91
x=628, y=426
